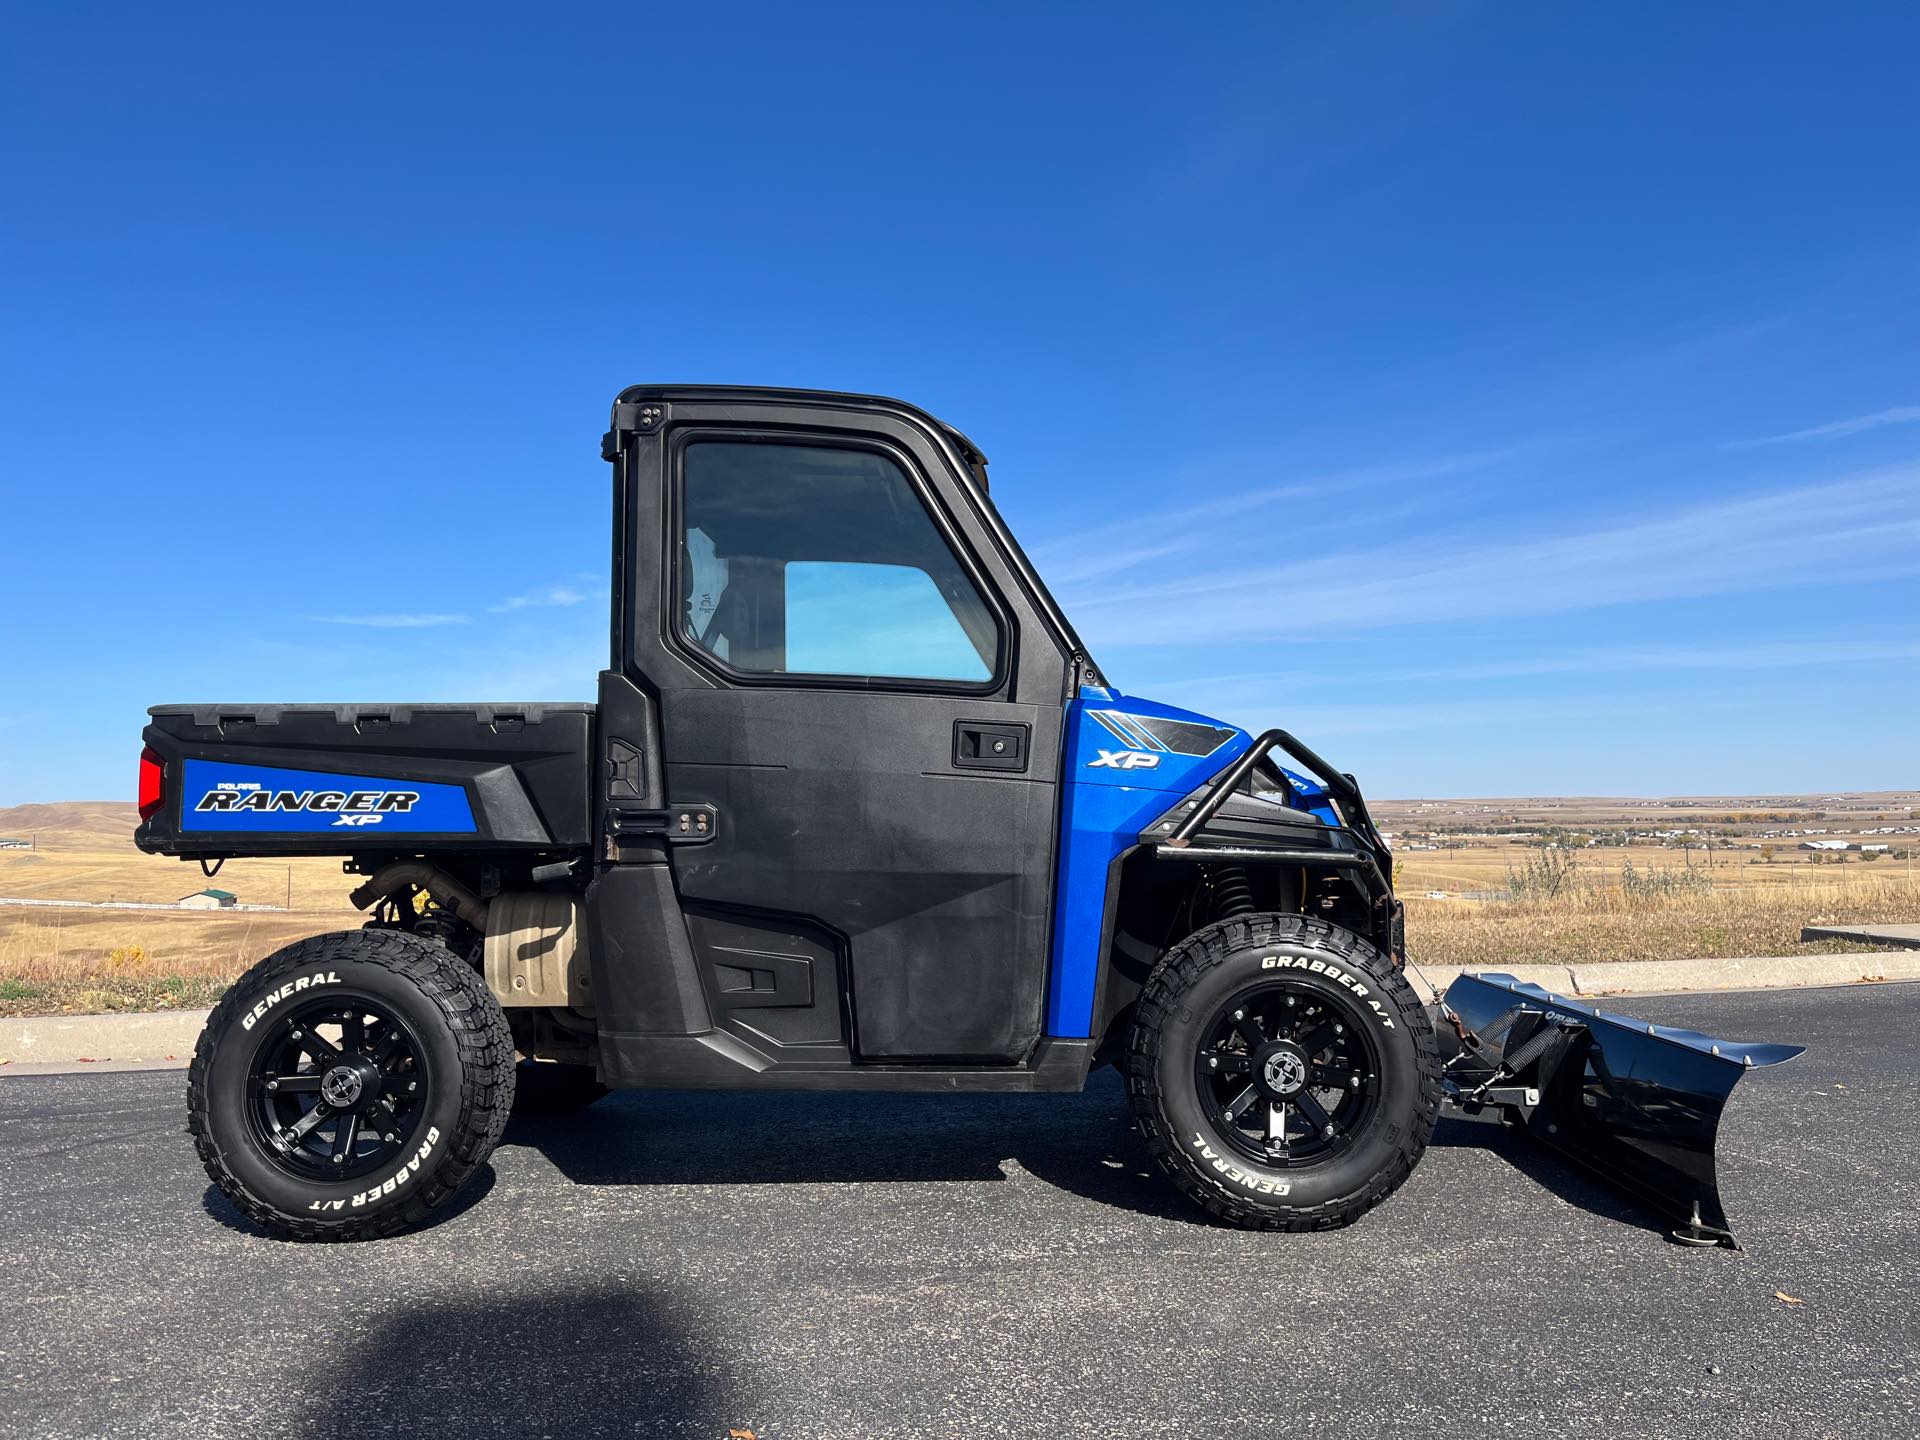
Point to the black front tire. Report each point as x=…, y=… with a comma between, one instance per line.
x=402, y=996
x=1291, y=965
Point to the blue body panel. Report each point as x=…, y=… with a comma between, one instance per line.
x=1103, y=808
x=1117, y=776
x=217, y=795
x=1311, y=797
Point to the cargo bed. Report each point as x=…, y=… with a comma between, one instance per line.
x=360, y=779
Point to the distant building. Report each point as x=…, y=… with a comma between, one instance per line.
x=1825, y=845
x=14, y=842
x=207, y=900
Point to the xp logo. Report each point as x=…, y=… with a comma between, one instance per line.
x=1124, y=760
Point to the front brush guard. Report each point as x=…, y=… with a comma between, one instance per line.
x=1638, y=1104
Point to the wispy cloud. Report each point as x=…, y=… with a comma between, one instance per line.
x=405, y=620
x=551, y=595
x=1423, y=717
x=1859, y=528
x=1743, y=658
x=1837, y=429
x=1206, y=525
x=1634, y=658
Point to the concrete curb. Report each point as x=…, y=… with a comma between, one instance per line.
x=163, y=1037
x=1681, y=977
x=48, y=1043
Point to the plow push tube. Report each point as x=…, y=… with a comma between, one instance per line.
x=1638, y=1104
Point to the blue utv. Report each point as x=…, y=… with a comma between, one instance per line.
x=854, y=809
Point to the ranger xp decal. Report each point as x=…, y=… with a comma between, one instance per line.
x=264, y=798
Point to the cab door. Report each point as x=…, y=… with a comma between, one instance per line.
x=868, y=701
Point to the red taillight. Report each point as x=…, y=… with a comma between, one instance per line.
x=153, y=782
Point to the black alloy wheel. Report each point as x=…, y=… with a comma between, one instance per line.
x=1289, y=1073
x=337, y=1088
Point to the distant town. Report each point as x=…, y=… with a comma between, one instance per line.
x=1766, y=827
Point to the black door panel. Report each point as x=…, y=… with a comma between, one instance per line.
x=847, y=806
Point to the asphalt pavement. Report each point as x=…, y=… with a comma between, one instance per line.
x=670, y=1264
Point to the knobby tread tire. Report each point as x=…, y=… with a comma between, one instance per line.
x=471, y=1016
x=1203, y=953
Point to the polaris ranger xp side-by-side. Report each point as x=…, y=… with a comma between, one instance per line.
x=853, y=809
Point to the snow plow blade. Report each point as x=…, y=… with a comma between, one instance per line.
x=1637, y=1104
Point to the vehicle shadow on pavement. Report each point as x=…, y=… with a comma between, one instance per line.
x=1549, y=1171
x=464, y=1199
x=1083, y=1144
x=588, y=1360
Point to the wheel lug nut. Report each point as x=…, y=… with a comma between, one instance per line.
x=339, y=1159
x=1328, y=1132
x=273, y=1084
x=412, y=1085
x=1213, y=1062
x=1239, y=1014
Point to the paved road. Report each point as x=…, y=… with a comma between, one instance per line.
x=918, y=1266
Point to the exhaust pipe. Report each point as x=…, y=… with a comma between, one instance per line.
x=430, y=878
x=1637, y=1104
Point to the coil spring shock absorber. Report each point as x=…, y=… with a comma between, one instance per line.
x=1232, y=891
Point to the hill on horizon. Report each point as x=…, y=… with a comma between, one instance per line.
x=69, y=820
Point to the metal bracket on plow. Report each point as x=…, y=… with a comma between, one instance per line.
x=1637, y=1104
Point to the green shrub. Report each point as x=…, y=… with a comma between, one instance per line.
x=1547, y=875
x=1662, y=882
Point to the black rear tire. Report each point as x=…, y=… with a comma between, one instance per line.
x=1319, y=1038
x=400, y=1047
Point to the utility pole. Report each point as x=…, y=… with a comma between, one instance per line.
x=289, y=887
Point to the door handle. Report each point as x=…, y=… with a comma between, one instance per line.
x=990, y=745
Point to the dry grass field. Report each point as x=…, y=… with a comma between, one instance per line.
x=1593, y=926
x=1626, y=891
x=1684, y=878
x=55, y=960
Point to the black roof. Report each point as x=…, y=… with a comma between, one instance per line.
x=968, y=450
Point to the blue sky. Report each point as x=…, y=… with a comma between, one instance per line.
x=1508, y=399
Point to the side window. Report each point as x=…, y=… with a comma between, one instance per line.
x=807, y=560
